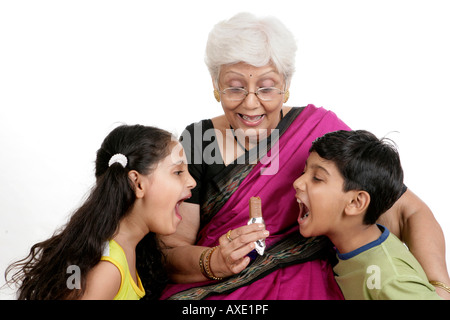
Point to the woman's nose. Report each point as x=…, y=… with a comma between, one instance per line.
x=251, y=101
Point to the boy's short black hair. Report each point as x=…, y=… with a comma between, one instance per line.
x=366, y=163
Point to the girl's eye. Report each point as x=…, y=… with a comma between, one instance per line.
x=317, y=179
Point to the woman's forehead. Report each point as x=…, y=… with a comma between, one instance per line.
x=245, y=70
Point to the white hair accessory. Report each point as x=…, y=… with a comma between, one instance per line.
x=120, y=158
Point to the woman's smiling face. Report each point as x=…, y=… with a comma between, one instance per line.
x=251, y=114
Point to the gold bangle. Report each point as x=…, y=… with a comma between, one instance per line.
x=440, y=285
x=202, y=263
x=208, y=272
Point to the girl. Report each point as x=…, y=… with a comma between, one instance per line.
x=141, y=180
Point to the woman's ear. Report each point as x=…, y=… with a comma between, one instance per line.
x=214, y=83
x=216, y=90
x=359, y=202
x=136, y=179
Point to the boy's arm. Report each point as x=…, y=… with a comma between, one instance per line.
x=412, y=221
x=407, y=288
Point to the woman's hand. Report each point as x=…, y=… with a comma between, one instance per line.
x=231, y=256
x=228, y=259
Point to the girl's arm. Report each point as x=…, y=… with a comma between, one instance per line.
x=103, y=282
x=412, y=221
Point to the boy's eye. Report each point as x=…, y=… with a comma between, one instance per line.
x=317, y=179
x=178, y=172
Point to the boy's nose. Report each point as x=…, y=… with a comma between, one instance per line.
x=298, y=184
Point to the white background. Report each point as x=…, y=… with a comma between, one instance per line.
x=70, y=71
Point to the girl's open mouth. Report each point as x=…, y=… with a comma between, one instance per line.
x=177, y=206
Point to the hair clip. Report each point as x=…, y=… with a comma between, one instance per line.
x=120, y=158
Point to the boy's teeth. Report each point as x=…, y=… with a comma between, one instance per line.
x=305, y=216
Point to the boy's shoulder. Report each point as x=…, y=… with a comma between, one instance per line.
x=384, y=270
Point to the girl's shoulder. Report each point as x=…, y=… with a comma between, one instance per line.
x=103, y=281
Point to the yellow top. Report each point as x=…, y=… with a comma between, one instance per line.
x=128, y=290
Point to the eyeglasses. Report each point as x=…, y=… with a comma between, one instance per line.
x=239, y=94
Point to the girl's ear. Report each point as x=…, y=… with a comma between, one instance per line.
x=136, y=179
x=359, y=202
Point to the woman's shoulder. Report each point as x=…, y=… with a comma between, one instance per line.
x=311, y=112
x=205, y=124
x=200, y=127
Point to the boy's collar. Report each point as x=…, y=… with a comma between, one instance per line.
x=384, y=234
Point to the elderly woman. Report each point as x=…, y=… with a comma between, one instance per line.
x=257, y=148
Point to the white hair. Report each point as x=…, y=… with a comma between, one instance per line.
x=255, y=41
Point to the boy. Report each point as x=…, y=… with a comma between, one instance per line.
x=350, y=179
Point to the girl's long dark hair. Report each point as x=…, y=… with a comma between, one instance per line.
x=43, y=273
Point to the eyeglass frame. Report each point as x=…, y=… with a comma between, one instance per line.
x=246, y=92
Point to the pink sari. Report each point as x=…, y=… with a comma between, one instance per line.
x=292, y=267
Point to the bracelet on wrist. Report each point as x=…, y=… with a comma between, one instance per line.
x=204, y=263
x=441, y=285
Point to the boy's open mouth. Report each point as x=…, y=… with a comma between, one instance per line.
x=304, y=211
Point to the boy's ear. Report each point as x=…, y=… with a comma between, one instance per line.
x=359, y=202
x=136, y=179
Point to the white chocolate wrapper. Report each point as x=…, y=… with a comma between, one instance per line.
x=260, y=245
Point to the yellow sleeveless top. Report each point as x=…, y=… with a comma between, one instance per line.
x=128, y=290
